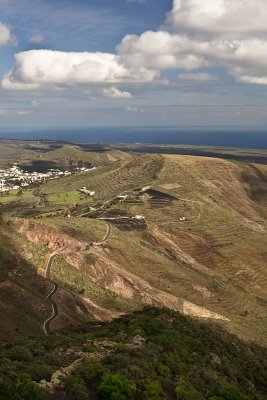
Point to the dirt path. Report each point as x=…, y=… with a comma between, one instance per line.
x=106, y=236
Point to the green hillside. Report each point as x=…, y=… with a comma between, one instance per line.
x=150, y=355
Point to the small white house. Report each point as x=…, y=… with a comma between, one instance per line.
x=139, y=217
x=87, y=191
x=144, y=189
x=122, y=197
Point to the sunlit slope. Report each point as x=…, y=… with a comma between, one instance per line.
x=228, y=215
x=207, y=248
x=110, y=181
x=203, y=253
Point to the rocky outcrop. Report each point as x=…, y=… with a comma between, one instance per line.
x=112, y=276
x=103, y=348
x=41, y=234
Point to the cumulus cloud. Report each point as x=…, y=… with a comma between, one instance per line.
x=35, y=68
x=6, y=35
x=241, y=18
x=116, y=93
x=159, y=50
x=205, y=33
x=38, y=38
x=231, y=34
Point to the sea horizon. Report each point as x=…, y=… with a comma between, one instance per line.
x=241, y=137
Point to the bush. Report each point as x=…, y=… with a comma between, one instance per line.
x=153, y=390
x=39, y=371
x=116, y=387
x=20, y=353
x=7, y=391
x=75, y=386
x=186, y=391
x=90, y=370
x=231, y=392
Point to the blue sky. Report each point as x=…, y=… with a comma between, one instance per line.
x=135, y=62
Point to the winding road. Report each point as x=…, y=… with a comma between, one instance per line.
x=46, y=325
x=106, y=236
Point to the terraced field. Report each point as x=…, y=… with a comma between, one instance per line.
x=202, y=248
x=111, y=181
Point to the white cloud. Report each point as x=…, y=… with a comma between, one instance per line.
x=10, y=83
x=35, y=68
x=13, y=111
x=116, y=93
x=6, y=35
x=158, y=50
x=205, y=33
x=241, y=18
x=231, y=34
x=36, y=103
x=23, y=112
x=38, y=38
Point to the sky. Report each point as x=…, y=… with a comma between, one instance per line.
x=133, y=63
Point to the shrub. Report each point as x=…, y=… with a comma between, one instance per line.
x=116, y=387
x=20, y=353
x=231, y=392
x=75, y=386
x=186, y=391
x=39, y=371
x=90, y=370
x=153, y=390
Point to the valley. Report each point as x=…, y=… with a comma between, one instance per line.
x=187, y=233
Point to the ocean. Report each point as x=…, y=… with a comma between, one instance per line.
x=243, y=138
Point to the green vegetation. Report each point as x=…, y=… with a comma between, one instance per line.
x=149, y=355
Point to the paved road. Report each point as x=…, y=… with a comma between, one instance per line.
x=46, y=325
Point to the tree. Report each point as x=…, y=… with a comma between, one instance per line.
x=231, y=392
x=75, y=386
x=186, y=391
x=153, y=390
x=116, y=387
x=8, y=391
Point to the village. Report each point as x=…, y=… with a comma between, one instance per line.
x=14, y=178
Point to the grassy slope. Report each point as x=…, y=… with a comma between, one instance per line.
x=236, y=250
x=223, y=233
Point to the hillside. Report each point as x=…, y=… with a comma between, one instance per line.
x=154, y=354
x=200, y=250
x=61, y=153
